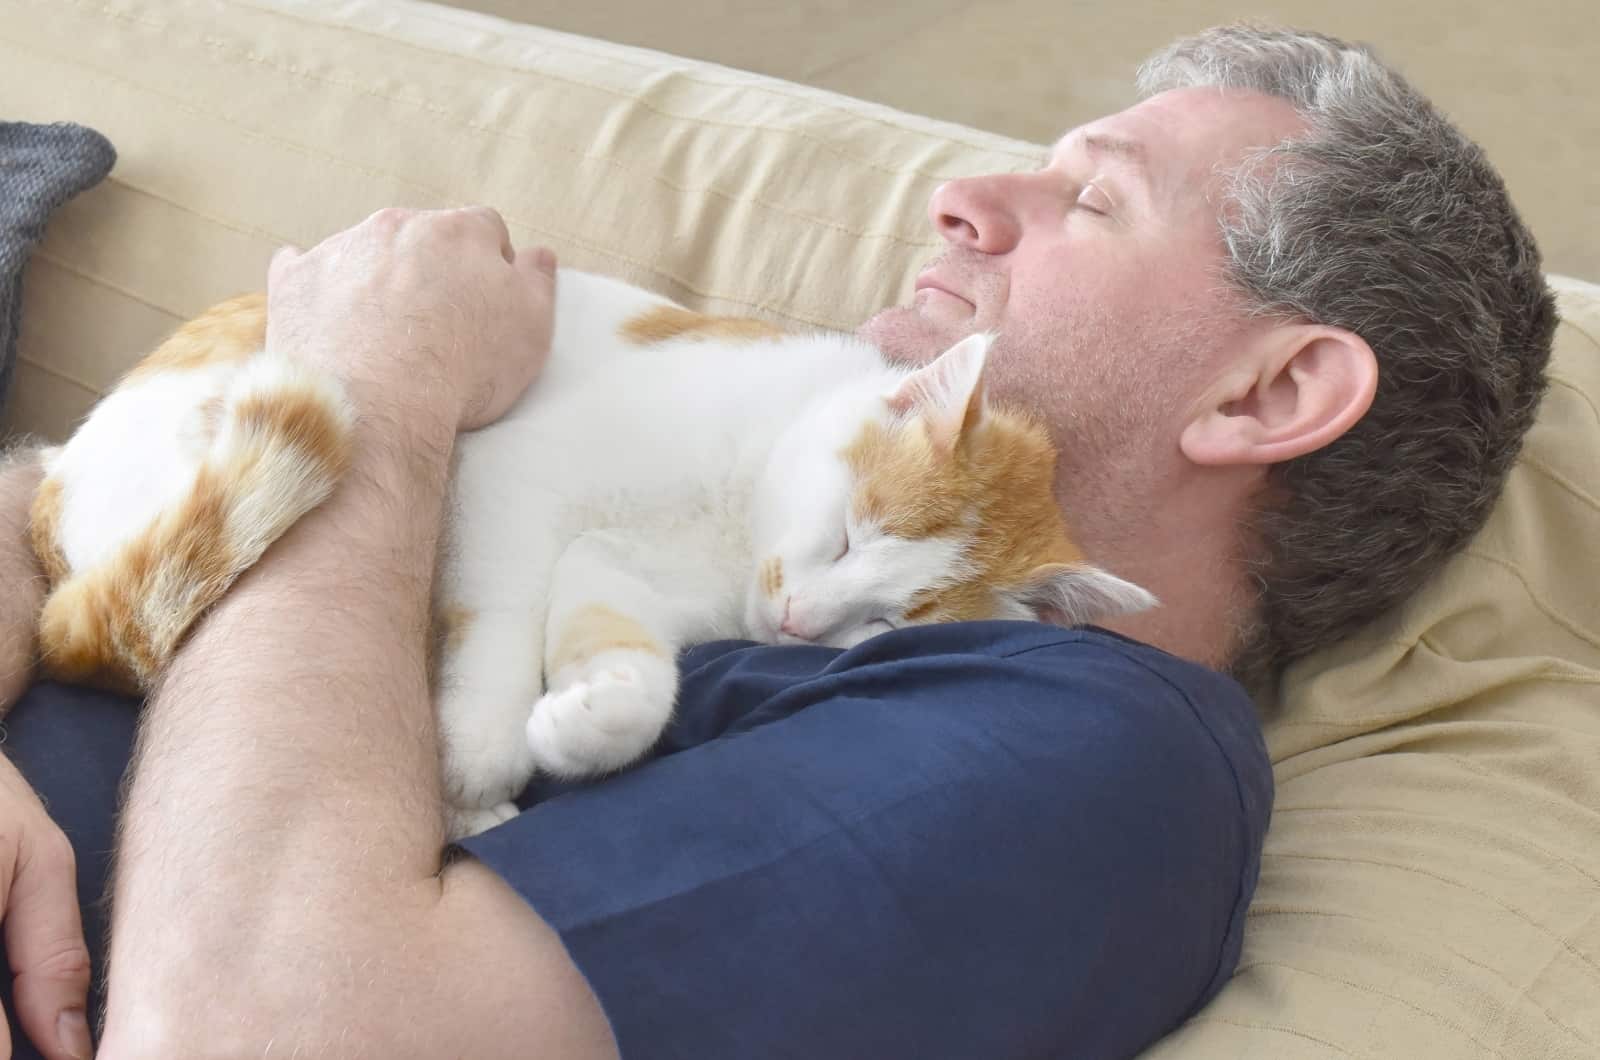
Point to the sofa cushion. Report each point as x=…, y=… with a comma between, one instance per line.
x=1430, y=885
x=245, y=126
x=1433, y=873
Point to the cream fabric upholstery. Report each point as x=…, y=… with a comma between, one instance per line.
x=243, y=126
x=1431, y=886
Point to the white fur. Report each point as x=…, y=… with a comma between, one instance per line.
x=648, y=480
x=132, y=459
x=139, y=452
x=282, y=478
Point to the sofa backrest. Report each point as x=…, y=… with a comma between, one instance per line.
x=1435, y=770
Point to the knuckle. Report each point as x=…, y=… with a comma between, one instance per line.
x=54, y=848
x=284, y=261
x=68, y=961
x=389, y=217
x=484, y=216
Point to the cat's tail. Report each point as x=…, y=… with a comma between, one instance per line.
x=281, y=440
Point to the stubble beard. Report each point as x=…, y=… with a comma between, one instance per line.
x=1104, y=387
x=1095, y=383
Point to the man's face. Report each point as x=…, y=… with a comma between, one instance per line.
x=1102, y=275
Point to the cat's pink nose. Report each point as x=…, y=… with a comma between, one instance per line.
x=788, y=625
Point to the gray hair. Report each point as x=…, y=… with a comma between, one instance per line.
x=1383, y=219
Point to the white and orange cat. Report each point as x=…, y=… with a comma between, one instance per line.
x=671, y=478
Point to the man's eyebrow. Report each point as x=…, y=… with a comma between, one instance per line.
x=1131, y=153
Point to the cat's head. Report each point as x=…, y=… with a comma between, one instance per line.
x=910, y=499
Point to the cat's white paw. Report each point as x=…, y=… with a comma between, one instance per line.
x=461, y=822
x=487, y=761
x=603, y=713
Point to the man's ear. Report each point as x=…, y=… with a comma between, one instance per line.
x=1302, y=387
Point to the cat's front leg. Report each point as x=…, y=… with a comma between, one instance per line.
x=488, y=679
x=610, y=660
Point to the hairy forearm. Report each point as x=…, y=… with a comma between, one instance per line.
x=287, y=775
x=279, y=889
x=22, y=584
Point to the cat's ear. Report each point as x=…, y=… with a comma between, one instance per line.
x=948, y=392
x=1072, y=594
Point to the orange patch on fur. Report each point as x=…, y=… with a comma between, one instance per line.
x=95, y=627
x=595, y=629
x=993, y=491
x=228, y=331
x=119, y=623
x=671, y=322
x=451, y=624
x=771, y=575
x=44, y=521
x=298, y=420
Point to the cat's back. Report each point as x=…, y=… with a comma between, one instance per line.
x=135, y=454
x=637, y=385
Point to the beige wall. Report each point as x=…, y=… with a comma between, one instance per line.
x=1521, y=77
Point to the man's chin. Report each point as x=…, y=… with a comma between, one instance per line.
x=905, y=335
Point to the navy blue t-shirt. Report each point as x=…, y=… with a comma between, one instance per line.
x=980, y=841
x=977, y=840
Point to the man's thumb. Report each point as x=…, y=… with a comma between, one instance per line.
x=45, y=946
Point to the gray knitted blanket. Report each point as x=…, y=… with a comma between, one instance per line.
x=41, y=167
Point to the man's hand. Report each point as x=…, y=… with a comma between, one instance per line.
x=432, y=313
x=43, y=930
x=38, y=884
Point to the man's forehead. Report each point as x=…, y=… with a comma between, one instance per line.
x=1184, y=133
x=1131, y=126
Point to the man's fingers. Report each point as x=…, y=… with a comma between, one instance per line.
x=507, y=251
x=538, y=262
x=280, y=259
x=45, y=947
x=496, y=224
x=537, y=266
x=489, y=219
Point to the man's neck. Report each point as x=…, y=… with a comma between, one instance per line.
x=1181, y=544
x=1198, y=617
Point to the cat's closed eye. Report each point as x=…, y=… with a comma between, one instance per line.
x=844, y=547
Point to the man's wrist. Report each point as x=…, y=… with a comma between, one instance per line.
x=409, y=439
x=406, y=386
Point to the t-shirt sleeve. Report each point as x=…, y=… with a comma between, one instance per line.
x=990, y=840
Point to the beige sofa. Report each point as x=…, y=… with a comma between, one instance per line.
x=1431, y=882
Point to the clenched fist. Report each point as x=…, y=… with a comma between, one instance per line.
x=447, y=315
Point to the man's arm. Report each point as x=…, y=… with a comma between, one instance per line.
x=21, y=582
x=279, y=889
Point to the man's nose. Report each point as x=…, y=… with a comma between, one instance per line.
x=978, y=212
